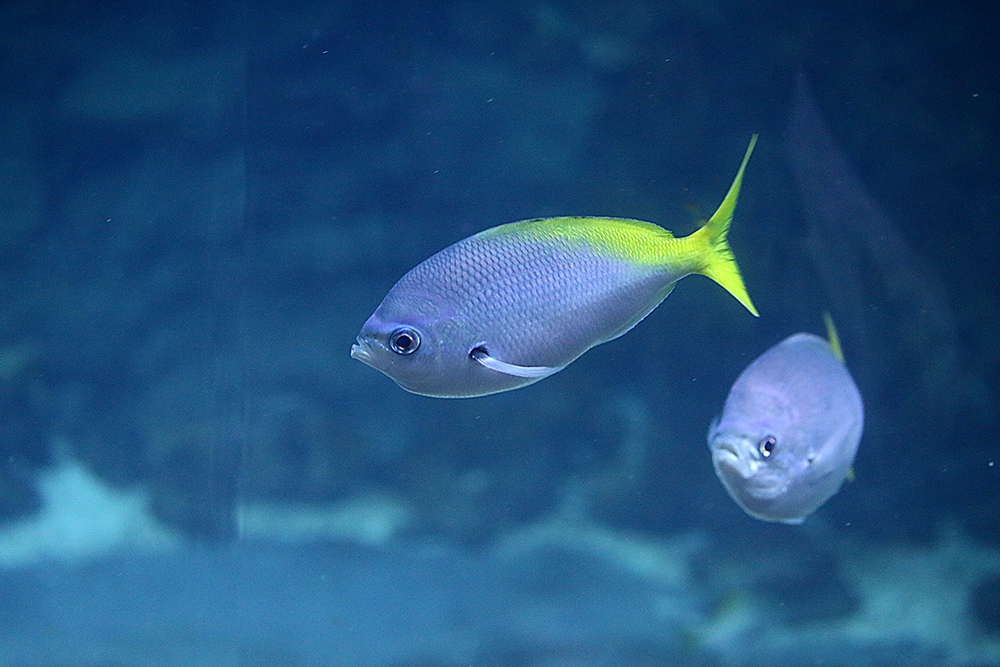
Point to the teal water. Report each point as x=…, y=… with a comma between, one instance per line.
x=203, y=203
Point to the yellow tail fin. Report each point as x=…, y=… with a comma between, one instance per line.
x=720, y=265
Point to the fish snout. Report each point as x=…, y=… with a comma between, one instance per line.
x=360, y=351
x=732, y=458
x=726, y=455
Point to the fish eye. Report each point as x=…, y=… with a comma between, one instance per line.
x=766, y=446
x=404, y=341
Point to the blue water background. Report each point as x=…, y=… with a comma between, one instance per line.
x=202, y=203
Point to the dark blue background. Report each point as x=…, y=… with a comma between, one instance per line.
x=203, y=202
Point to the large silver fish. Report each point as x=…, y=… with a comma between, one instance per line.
x=519, y=302
x=790, y=428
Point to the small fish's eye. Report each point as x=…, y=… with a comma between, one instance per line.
x=766, y=446
x=404, y=341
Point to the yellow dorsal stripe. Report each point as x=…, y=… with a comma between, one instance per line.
x=625, y=238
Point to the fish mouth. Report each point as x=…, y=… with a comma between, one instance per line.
x=726, y=450
x=360, y=352
x=725, y=454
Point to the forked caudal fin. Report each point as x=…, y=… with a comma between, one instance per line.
x=720, y=265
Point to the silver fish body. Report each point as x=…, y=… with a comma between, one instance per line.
x=789, y=431
x=496, y=312
x=519, y=302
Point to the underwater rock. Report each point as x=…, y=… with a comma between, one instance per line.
x=325, y=605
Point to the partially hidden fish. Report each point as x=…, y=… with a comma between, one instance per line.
x=889, y=300
x=790, y=428
x=516, y=303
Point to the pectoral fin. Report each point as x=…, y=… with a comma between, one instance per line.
x=537, y=372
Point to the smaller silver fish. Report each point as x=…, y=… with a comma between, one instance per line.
x=790, y=428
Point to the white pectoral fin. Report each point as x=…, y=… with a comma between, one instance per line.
x=535, y=372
